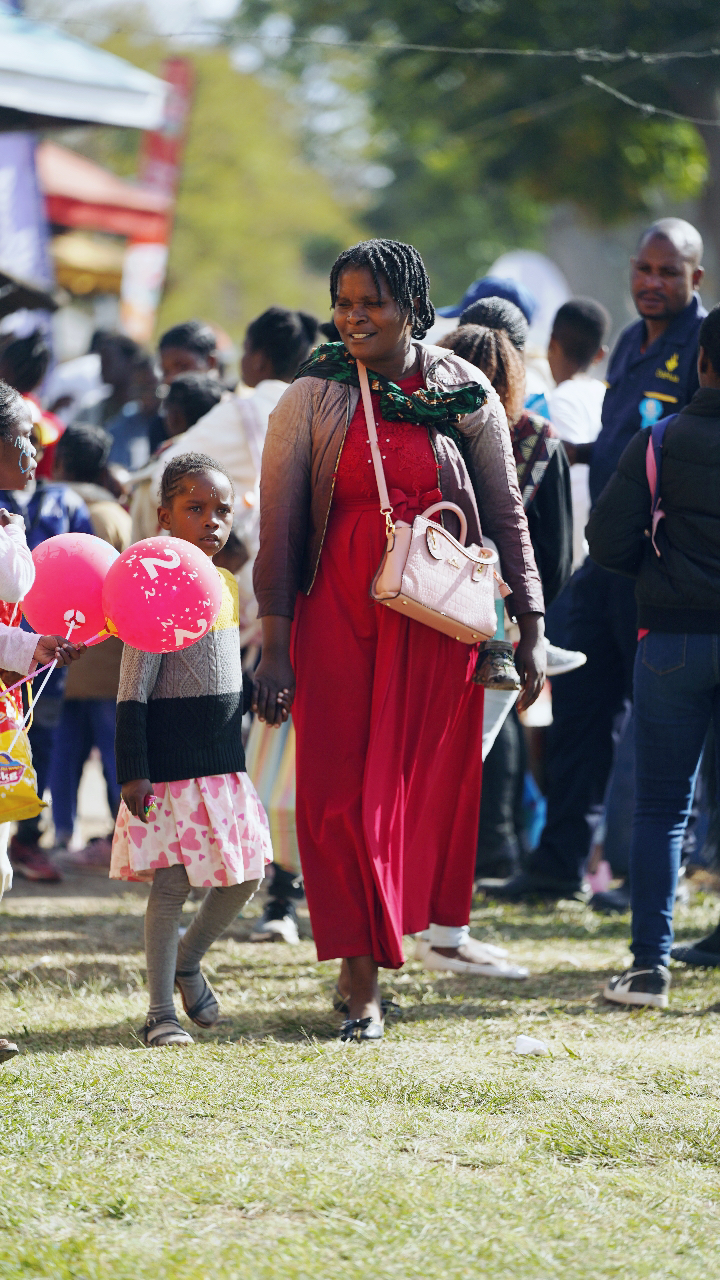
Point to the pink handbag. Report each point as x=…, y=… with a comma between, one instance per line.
x=425, y=572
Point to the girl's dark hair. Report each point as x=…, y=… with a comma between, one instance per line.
x=498, y=313
x=10, y=406
x=193, y=335
x=195, y=394
x=84, y=450
x=24, y=361
x=187, y=464
x=286, y=338
x=404, y=271
x=491, y=351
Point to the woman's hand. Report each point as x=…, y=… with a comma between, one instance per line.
x=274, y=691
x=530, y=658
x=57, y=649
x=134, y=793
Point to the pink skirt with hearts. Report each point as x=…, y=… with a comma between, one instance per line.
x=215, y=827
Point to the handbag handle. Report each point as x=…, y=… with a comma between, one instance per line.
x=385, y=505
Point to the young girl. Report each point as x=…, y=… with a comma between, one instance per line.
x=178, y=723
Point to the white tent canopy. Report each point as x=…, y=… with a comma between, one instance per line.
x=49, y=77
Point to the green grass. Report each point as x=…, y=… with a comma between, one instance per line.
x=269, y=1150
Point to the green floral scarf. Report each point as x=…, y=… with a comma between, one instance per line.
x=440, y=409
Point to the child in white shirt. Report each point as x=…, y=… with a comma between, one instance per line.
x=575, y=405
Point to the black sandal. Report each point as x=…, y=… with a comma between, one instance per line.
x=389, y=1008
x=159, y=1033
x=205, y=1011
x=361, y=1029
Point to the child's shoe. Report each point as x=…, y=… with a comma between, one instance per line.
x=162, y=1032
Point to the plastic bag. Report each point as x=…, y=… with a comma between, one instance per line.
x=18, y=781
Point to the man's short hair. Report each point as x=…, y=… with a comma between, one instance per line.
x=580, y=328
x=709, y=338
x=193, y=335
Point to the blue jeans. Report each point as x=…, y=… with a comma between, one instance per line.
x=677, y=698
x=596, y=613
x=84, y=724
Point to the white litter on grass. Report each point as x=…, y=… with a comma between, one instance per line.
x=527, y=1044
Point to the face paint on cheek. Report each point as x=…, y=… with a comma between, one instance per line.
x=27, y=455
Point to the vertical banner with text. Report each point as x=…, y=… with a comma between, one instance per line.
x=145, y=262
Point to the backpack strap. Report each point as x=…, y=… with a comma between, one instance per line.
x=653, y=469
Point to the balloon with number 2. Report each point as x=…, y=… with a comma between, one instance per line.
x=161, y=595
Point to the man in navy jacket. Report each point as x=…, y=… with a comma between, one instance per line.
x=652, y=373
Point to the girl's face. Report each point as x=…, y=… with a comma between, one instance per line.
x=201, y=511
x=17, y=452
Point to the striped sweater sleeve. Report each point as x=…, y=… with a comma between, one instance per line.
x=138, y=673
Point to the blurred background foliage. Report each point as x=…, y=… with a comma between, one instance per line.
x=255, y=224
x=480, y=148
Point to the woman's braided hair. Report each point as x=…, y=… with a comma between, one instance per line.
x=404, y=271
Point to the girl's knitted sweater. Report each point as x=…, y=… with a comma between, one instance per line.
x=179, y=714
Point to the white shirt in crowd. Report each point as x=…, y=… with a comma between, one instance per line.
x=234, y=433
x=574, y=408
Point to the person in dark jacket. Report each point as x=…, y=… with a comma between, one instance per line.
x=652, y=372
x=544, y=479
x=676, y=676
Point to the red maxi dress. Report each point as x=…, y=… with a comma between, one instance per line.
x=388, y=722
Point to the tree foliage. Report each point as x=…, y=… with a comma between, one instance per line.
x=479, y=144
x=255, y=225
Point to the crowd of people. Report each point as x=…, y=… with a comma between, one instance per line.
x=597, y=498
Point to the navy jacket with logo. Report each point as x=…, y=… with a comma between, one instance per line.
x=645, y=386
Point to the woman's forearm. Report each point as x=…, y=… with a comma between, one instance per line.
x=276, y=632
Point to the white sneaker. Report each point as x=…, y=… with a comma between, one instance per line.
x=278, y=924
x=560, y=661
x=479, y=958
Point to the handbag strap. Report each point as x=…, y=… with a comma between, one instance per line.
x=385, y=504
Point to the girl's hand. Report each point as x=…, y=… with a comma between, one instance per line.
x=134, y=793
x=530, y=658
x=57, y=648
x=274, y=691
x=11, y=517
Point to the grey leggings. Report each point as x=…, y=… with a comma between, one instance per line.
x=167, y=954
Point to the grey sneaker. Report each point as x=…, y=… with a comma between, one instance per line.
x=639, y=986
x=560, y=661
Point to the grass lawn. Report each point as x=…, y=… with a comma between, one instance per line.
x=270, y=1150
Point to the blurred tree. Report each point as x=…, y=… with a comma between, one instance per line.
x=479, y=145
x=249, y=207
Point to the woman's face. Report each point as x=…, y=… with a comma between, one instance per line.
x=371, y=325
x=17, y=452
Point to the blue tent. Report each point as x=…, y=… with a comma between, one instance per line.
x=49, y=79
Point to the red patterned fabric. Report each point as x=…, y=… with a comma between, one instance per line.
x=11, y=616
x=389, y=727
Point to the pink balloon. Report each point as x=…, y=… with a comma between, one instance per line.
x=70, y=570
x=162, y=595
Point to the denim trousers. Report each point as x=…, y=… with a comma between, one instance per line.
x=84, y=724
x=597, y=614
x=677, y=698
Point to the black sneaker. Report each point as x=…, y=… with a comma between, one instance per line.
x=703, y=955
x=525, y=887
x=278, y=923
x=611, y=900
x=648, y=986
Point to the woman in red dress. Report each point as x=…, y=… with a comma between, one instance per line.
x=388, y=720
